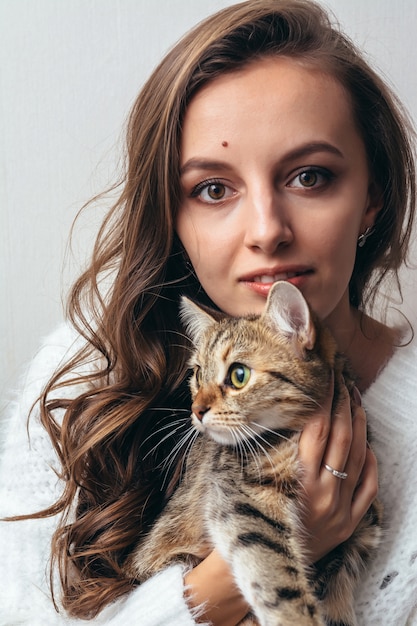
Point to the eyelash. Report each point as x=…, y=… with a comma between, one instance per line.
x=205, y=184
x=317, y=171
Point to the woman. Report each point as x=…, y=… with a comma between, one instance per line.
x=262, y=148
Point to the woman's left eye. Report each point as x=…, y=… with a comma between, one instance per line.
x=212, y=191
x=311, y=178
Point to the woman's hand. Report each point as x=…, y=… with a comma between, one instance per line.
x=211, y=583
x=334, y=507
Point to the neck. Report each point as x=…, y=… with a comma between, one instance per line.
x=345, y=324
x=367, y=343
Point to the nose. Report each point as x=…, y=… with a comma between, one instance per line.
x=267, y=226
x=199, y=411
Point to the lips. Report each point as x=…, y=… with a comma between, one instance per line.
x=268, y=279
x=262, y=281
x=266, y=276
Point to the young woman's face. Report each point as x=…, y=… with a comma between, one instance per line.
x=275, y=186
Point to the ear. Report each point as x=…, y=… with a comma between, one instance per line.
x=195, y=319
x=288, y=312
x=374, y=205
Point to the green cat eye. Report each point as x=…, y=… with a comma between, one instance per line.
x=239, y=375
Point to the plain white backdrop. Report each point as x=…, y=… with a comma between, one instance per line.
x=69, y=72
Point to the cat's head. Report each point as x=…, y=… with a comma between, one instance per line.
x=260, y=372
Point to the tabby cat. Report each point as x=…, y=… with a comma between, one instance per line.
x=256, y=380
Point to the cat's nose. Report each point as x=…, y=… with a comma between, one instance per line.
x=199, y=410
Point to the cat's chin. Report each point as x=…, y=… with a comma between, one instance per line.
x=226, y=436
x=219, y=435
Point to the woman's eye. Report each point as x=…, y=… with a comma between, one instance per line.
x=310, y=178
x=215, y=191
x=239, y=375
x=211, y=192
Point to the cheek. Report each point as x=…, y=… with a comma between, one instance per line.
x=188, y=234
x=205, y=242
x=336, y=242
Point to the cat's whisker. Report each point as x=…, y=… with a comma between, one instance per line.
x=265, y=452
x=170, y=423
x=249, y=441
x=159, y=430
x=258, y=438
x=189, y=435
x=171, y=432
x=193, y=438
x=314, y=402
x=166, y=463
x=273, y=432
x=242, y=454
x=187, y=441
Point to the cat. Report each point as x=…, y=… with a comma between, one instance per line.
x=256, y=380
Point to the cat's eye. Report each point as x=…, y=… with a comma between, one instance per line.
x=239, y=375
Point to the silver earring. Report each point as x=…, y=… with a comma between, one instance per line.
x=362, y=238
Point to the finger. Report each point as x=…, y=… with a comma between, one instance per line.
x=340, y=437
x=313, y=439
x=357, y=455
x=367, y=488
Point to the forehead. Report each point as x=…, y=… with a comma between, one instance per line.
x=280, y=92
x=286, y=77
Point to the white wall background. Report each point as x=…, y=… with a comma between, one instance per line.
x=69, y=71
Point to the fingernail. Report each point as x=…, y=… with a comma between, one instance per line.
x=357, y=396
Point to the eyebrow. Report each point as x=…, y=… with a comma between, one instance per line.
x=312, y=148
x=296, y=153
x=203, y=164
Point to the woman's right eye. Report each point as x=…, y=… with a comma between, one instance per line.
x=212, y=191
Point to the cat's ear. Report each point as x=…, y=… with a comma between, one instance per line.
x=195, y=319
x=287, y=310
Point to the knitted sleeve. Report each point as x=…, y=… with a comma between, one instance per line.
x=387, y=593
x=28, y=483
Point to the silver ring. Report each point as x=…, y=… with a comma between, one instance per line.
x=341, y=475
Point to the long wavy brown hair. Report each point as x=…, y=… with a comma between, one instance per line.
x=110, y=434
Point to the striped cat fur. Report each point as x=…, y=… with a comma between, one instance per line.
x=256, y=380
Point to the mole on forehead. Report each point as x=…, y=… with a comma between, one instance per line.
x=225, y=144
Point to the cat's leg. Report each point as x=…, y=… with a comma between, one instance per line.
x=338, y=574
x=267, y=564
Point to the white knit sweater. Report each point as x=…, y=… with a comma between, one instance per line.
x=388, y=593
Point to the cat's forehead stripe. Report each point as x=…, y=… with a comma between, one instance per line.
x=226, y=352
x=224, y=335
x=211, y=345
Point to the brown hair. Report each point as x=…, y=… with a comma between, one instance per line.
x=111, y=441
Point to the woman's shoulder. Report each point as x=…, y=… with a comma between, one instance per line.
x=393, y=394
x=58, y=345
x=404, y=357
x=55, y=349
